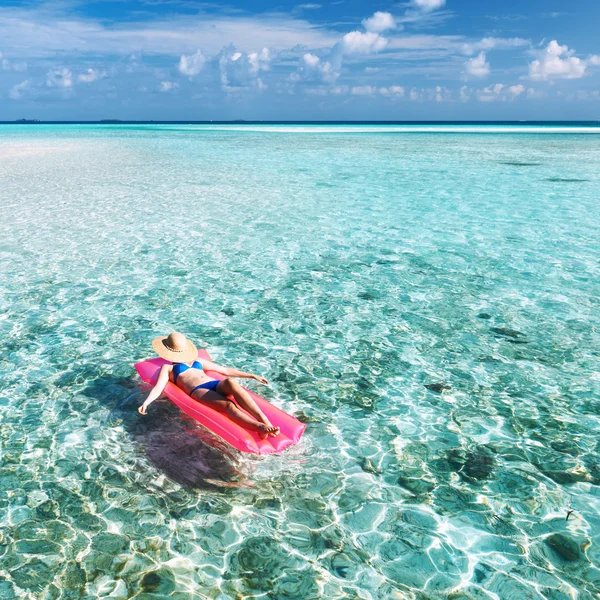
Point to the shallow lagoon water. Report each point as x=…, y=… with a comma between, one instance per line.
x=427, y=303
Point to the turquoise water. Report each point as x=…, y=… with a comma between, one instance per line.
x=353, y=269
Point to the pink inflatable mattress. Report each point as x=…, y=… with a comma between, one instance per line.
x=238, y=436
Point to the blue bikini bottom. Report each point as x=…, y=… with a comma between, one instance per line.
x=207, y=385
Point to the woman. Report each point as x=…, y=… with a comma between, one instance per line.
x=187, y=373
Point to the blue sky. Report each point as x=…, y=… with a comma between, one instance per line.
x=313, y=60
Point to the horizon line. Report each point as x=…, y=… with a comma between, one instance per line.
x=303, y=122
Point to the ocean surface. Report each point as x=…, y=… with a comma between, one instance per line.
x=427, y=302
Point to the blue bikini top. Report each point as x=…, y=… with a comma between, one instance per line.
x=179, y=368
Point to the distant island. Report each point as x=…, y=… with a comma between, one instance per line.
x=27, y=121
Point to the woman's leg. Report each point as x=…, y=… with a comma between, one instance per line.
x=230, y=386
x=218, y=402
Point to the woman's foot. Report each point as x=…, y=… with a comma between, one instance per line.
x=271, y=430
x=267, y=430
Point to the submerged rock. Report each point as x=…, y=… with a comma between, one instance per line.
x=475, y=464
x=439, y=387
x=7, y=590
x=74, y=576
x=259, y=561
x=369, y=295
x=33, y=576
x=564, y=546
x=159, y=582
x=484, y=315
x=488, y=359
x=47, y=510
x=478, y=465
x=37, y=547
x=566, y=180
x=268, y=503
x=565, y=477
x=110, y=543
x=507, y=332
x=417, y=485
x=341, y=565
x=368, y=466
x=306, y=418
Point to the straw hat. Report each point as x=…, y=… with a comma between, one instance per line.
x=175, y=347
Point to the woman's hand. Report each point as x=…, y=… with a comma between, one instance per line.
x=260, y=379
x=157, y=390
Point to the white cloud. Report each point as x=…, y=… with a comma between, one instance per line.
x=464, y=94
x=312, y=68
x=60, y=78
x=559, y=62
x=437, y=94
x=43, y=31
x=260, y=61
x=584, y=95
x=516, y=90
x=363, y=90
x=326, y=70
x=478, y=66
x=239, y=70
x=451, y=44
x=316, y=91
x=533, y=94
x=308, y=6
x=440, y=94
x=191, y=64
x=379, y=22
x=393, y=90
x=310, y=60
x=339, y=90
x=9, y=65
x=490, y=93
x=428, y=5
x=493, y=43
x=16, y=92
x=369, y=90
x=167, y=86
x=357, y=42
x=500, y=93
x=91, y=75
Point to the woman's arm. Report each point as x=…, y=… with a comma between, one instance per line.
x=208, y=365
x=157, y=390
